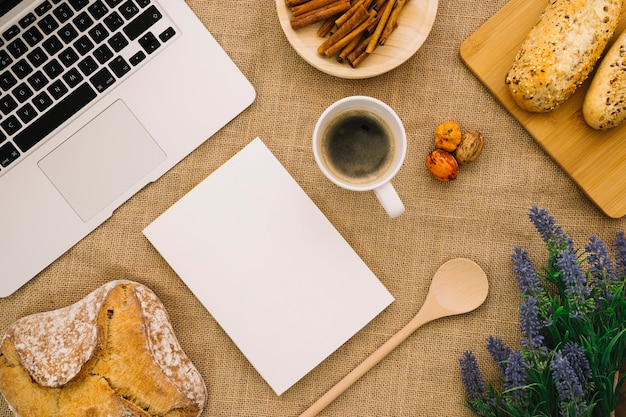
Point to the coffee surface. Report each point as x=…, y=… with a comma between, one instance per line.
x=358, y=146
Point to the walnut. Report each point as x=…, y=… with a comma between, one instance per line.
x=448, y=136
x=470, y=148
x=442, y=165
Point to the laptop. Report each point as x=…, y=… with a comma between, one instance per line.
x=97, y=99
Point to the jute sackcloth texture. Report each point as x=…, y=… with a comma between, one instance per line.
x=482, y=215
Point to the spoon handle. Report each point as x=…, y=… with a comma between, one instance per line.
x=366, y=365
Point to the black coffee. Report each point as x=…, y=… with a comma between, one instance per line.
x=358, y=146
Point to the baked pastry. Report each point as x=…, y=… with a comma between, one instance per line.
x=560, y=51
x=605, y=102
x=111, y=354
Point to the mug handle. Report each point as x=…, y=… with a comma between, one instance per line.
x=390, y=199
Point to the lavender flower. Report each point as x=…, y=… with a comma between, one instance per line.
x=499, y=351
x=515, y=378
x=530, y=326
x=471, y=376
x=567, y=385
x=525, y=274
x=575, y=282
x=600, y=267
x=552, y=234
x=620, y=252
x=575, y=355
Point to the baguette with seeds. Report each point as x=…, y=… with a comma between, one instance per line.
x=605, y=102
x=560, y=51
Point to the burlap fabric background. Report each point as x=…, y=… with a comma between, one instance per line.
x=482, y=215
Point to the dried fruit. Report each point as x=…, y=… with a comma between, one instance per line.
x=442, y=165
x=470, y=148
x=448, y=136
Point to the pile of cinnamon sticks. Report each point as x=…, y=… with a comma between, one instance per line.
x=353, y=28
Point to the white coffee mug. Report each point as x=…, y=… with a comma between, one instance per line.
x=360, y=143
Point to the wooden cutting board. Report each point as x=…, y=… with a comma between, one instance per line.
x=596, y=161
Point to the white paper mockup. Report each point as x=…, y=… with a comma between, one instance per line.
x=268, y=266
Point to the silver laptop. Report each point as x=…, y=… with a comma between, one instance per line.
x=97, y=99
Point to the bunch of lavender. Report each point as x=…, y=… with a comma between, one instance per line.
x=572, y=320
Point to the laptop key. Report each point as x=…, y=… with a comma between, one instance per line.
x=42, y=101
x=149, y=42
x=119, y=66
x=52, y=45
x=68, y=57
x=143, y=22
x=137, y=58
x=78, y=4
x=8, y=154
x=63, y=13
x=27, y=20
x=103, y=53
x=11, y=125
x=98, y=10
x=5, y=60
x=33, y=36
x=21, y=68
x=53, y=69
x=48, y=24
x=38, y=81
x=72, y=77
x=68, y=33
x=17, y=48
x=57, y=89
x=167, y=34
x=98, y=33
x=22, y=92
x=83, y=21
x=113, y=3
x=7, y=104
x=88, y=66
x=114, y=21
x=54, y=117
x=43, y=8
x=7, y=80
x=102, y=80
x=129, y=9
x=37, y=57
x=118, y=42
x=11, y=32
x=83, y=45
x=26, y=113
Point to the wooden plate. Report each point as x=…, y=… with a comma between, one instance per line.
x=595, y=160
x=414, y=25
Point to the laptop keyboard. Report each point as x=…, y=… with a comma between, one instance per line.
x=59, y=57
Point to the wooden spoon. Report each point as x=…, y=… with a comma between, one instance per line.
x=459, y=286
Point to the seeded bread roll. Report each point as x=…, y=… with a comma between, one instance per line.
x=560, y=51
x=605, y=102
x=112, y=354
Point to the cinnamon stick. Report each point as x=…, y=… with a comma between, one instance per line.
x=348, y=48
x=347, y=15
x=359, y=53
x=372, y=27
x=320, y=14
x=291, y=3
x=355, y=33
x=392, y=22
x=326, y=27
x=309, y=6
x=381, y=25
x=359, y=16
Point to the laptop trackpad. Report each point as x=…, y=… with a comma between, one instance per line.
x=103, y=160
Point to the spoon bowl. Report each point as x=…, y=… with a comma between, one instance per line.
x=459, y=286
